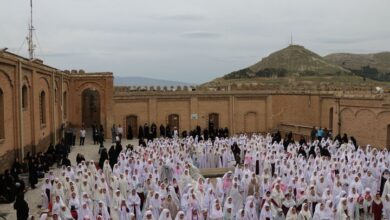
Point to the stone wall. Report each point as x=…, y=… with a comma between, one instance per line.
x=25, y=130
x=256, y=108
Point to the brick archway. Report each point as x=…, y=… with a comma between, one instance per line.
x=91, y=107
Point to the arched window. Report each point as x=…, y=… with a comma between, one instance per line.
x=55, y=95
x=24, y=97
x=42, y=107
x=65, y=104
x=2, y=135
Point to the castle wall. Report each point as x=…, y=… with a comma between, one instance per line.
x=365, y=116
x=24, y=129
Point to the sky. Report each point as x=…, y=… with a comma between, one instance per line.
x=192, y=41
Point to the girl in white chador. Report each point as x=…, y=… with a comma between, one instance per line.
x=165, y=215
x=280, y=179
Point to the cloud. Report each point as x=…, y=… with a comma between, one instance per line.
x=341, y=40
x=201, y=35
x=183, y=18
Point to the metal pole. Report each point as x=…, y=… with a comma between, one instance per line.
x=30, y=33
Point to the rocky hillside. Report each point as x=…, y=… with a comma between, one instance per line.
x=375, y=66
x=293, y=60
x=296, y=66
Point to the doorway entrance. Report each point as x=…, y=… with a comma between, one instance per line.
x=131, y=124
x=173, y=122
x=90, y=102
x=213, y=121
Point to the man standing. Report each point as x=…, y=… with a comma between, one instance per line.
x=82, y=135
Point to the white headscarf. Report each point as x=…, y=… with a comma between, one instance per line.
x=163, y=215
x=264, y=214
x=180, y=213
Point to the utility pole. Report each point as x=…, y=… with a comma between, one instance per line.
x=31, y=45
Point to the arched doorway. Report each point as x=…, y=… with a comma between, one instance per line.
x=90, y=102
x=173, y=122
x=213, y=121
x=131, y=123
x=250, y=125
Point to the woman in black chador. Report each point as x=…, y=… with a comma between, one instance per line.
x=21, y=207
x=162, y=131
x=32, y=171
x=129, y=133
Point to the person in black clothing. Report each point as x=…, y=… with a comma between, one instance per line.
x=313, y=133
x=79, y=158
x=162, y=131
x=154, y=130
x=302, y=141
x=65, y=161
x=21, y=207
x=103, y=157
x=206, y=134
x=112, y=156
x=345, y=138
x=32, y=171
x=325, y=152
x=226, y=132
x=50, y=154
x=277, y=137
x=20, y=187
x=302, y=152
x=129, y=133
x=118, y=149
x=146, y=131
x=236, y=152
x=141, y=142
x=16, y=168
x=312, y=151
x=7, y=186
x=198, y=131
x=338, y=138
x=168, y=131
x=354, y=142
x=385, y=175
x=140, y=132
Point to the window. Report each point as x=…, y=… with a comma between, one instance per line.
x=42, y=107
x=24, y=97
x=2, y=135
x=65, y=104
x=55, y=95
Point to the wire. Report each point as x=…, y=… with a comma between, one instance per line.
x=24, y=41
x=39, y=46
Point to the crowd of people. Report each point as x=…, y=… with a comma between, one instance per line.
x=273, y=178
x=151, y=132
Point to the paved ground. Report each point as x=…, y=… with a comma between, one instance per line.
x=33, y=196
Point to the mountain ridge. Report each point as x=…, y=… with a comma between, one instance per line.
x=297, y=66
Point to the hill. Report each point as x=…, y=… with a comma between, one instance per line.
x=374, y=66
x=293, y=60
x=144, y=81
x=296, y=67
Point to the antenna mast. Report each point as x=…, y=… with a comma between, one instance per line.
x=31, y=45
x=291, y=40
